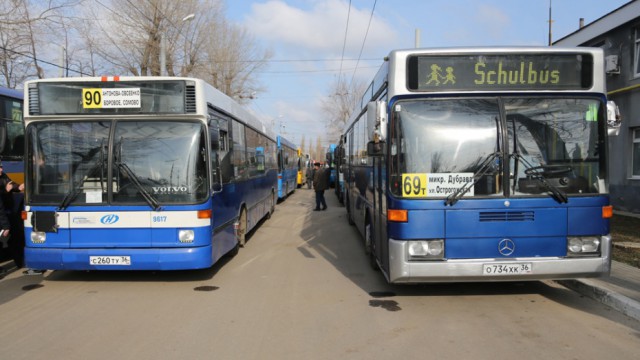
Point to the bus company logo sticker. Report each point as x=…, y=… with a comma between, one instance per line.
x=109, y=219
x=170, y=189
x=506, y=247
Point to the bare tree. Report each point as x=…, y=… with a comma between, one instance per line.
x=26, y=27
x=338, y=106
x=232, y=57
x=127, y=34
x=319, y=154
x=302, y=144
x=130, y=36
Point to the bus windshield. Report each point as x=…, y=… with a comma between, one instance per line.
x=551, y=147
x=153, y=162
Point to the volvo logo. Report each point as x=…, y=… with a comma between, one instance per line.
x=506, y=247
x=109, y=219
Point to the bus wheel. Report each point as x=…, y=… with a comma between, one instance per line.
x=233, y=252
x=241, y=229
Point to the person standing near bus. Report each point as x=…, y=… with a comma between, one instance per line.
x=7, y=186
x=309, y=175
x=5, y=230
x=320, y=184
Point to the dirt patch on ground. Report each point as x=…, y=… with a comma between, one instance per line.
x=625, y=231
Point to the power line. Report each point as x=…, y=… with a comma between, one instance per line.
x=363, y=42
x=44, y=61
x=307, y=60
x=344, y=43
x=312, y=71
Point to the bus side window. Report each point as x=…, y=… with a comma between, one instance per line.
x=225, y=158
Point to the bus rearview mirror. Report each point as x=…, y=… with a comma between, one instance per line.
x=377, y=120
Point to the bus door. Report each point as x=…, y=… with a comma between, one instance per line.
x=381, y=245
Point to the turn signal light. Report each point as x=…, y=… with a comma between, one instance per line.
x=607, y=212
x=398, y=215
x=204, y=214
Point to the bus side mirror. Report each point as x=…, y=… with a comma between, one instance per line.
x=377, y=120
x=375, y=148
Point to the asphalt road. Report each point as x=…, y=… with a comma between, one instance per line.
x=300, y=289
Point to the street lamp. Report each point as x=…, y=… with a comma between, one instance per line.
x=163, y=51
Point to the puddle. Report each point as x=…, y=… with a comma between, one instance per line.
x=389, y=305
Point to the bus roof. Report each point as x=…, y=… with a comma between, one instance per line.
x=11, y=92
x=211, y=96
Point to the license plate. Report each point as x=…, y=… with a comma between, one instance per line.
x=110, y=260
x=507, y=269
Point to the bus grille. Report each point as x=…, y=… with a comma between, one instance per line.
x=34, y=101
x=507, y=216
x=190, y=100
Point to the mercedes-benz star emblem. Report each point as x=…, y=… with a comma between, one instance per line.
x=506, y=247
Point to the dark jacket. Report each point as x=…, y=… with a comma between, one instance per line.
x=5, y=224
x=310, y=172
x=321, y=180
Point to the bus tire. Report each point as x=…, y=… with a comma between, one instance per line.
x=233, y=252
x=241, y=231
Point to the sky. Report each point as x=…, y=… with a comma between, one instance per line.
x=310, y=49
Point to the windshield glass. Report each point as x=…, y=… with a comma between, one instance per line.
x=439, y=146
x=558, y=140
x=71, y=162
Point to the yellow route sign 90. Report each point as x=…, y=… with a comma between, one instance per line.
x=97, y=98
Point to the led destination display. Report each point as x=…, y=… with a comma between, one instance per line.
x=500, y=72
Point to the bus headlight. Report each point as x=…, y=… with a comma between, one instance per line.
x=587, y=245
x=425, y=249
x=38, y=237
x=186, y=236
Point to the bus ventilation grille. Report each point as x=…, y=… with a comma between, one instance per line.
x=507, y=216
x=190, y=105
x=34, y=102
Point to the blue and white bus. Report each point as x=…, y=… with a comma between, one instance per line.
x=12, y=134
x=339, y=161
x=141, y=173
x=287, y=167
x=12, y=162
x=331, y=164
x=482, y=164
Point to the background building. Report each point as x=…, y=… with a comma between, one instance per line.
x=618, y=33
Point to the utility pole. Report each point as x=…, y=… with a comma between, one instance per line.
x=550, y=22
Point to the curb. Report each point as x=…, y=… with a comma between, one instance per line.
x=621, y=303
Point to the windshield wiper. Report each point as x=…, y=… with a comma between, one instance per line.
x=77, y=187
x=537, y=173
x=134, y=179
x=484, y=168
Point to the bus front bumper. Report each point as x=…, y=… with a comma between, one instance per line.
x=118, y=259
x=506, y=269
